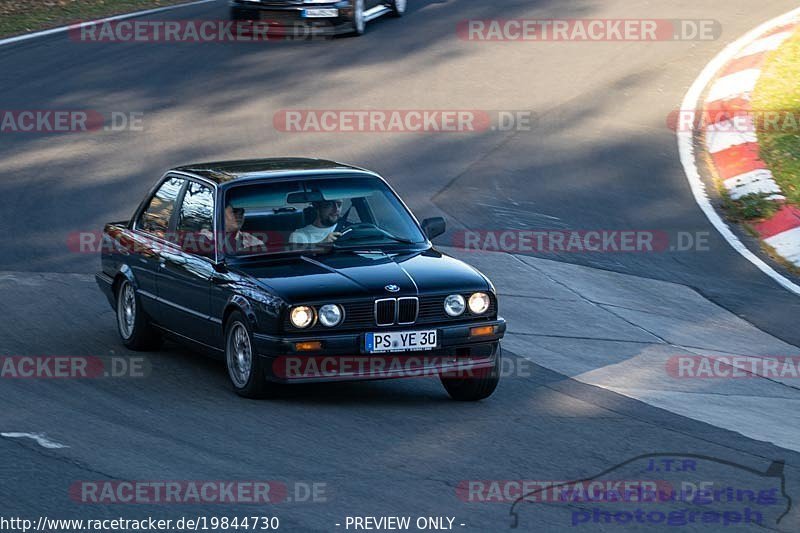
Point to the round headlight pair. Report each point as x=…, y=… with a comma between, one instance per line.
x=304, y=316
x=454, y=305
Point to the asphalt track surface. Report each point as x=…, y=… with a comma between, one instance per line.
x=600, y=157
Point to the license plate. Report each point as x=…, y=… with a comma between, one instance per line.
x=320, y=13
x=401, y=341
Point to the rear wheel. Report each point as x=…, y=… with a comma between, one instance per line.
x=479, y=387
x=398, y=7
x=245, y=367
x=134, y=330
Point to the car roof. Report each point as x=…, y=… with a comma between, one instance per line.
x=222, y=172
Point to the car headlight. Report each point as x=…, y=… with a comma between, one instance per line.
x=302, y=316
x=479, y=303
x=330, y=315
x=454, y=305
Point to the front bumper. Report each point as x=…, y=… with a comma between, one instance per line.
x=343, y=357
x=291, y=17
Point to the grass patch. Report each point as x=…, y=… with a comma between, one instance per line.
x=748, y=207
x=778, y=89
x=24, y=16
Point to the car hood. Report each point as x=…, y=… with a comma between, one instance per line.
x=349, y=275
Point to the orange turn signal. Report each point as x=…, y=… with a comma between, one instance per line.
x=481, y=331
x=308, y=346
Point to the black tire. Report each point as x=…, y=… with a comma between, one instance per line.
x=358, y=22
x=133, y=326
x=473, y=389
x=398, y=7
x=250, y=384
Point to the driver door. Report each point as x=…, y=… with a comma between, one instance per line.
x=185, y=269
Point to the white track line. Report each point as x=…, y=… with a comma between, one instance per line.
x=40, y=439
x=686, y=146
x=62, y=29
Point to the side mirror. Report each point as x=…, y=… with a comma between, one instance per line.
x=433, y=227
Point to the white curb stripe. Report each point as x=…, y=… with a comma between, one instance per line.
x=787, y=244
x=734, y=85
x=729, y=133
x=686, y=146
x=62, y=29
x=766, y=44
x=755, y=181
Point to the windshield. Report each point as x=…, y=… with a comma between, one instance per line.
x=312, y=214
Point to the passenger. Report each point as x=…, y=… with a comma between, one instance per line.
x=234, y=218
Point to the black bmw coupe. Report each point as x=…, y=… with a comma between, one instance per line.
x=299, y=270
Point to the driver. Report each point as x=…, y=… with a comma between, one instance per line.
x=322, y=229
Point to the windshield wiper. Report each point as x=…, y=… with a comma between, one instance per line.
x=384, y=234
x=316, y=250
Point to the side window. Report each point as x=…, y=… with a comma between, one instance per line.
x=196, y=220
x=155, y=219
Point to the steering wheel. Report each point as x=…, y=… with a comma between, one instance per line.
x=343, y=222
x=352, y=229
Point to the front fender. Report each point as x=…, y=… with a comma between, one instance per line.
x=237, y=302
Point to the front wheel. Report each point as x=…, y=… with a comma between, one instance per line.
x=479, y=387
x=245, y=367
x=398, y=7
x=359, y=21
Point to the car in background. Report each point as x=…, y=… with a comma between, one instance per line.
x=330, y=16
x=299, y=270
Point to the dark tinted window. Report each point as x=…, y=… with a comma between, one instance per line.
x=155, y=219
x=196, y=220
x=197, y=210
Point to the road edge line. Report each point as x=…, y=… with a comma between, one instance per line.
x=62, y=29
x=687, y=152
